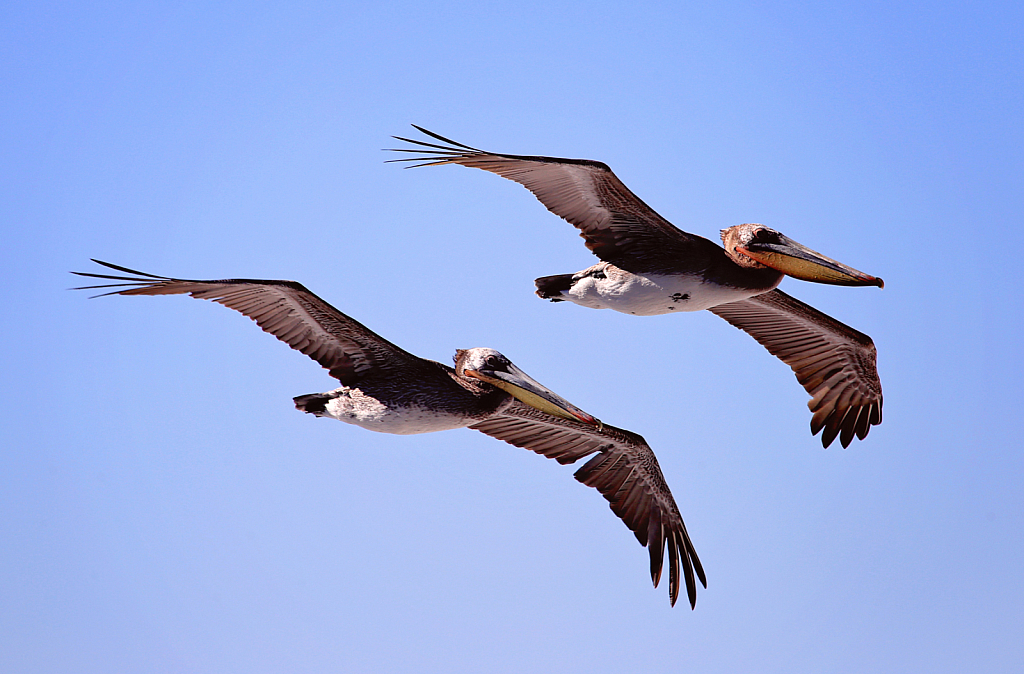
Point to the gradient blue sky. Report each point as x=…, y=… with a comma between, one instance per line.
x=163, y=508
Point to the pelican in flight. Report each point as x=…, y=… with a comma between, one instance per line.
x=387, y=389
x=651, y=267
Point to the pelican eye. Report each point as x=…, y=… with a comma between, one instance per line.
x=764, y=236
x=494, y=363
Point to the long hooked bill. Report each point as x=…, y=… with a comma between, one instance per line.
x=525, y=388
x=799, y=261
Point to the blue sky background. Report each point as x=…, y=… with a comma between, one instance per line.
x=163, y=508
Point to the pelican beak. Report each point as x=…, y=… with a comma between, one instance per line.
x=525, y=388
x=798, y=261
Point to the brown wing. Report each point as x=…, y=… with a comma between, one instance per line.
x=285, y=309
x=626, y=473
x=833, y=362
x=616, y=225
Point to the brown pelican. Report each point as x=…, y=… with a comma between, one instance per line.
x=651, y=267
x=387, y=389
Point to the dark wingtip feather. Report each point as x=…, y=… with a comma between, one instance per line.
x=656, y=565
x=863, y=424
x=817, y=425
x=846, y=436
x=440, y=154
x=423, y=143
x=698, y=569
x=125, y=270
x=443, y=139
x=673, y=570
x=656, y=546
x=131, y=281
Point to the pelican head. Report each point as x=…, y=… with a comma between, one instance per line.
x=757, y=246
x=491, y=367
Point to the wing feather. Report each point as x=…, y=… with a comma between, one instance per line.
x=285, y=309
x=623, y=469
x=615, y=223
x=833, y=362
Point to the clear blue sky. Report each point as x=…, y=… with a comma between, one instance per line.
x=163, y=508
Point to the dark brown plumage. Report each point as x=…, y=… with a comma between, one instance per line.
x=644, y=255
x=423, y=395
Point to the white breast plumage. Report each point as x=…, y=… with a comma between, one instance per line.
x=650, y=295
x=354, y=407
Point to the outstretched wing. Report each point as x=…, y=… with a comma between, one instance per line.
x=616, y=225
x=285, y=309
x=626, y=473
x=833, y=362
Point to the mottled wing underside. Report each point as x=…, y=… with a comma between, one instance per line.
x=626, y=473
x=285, y=309
x=833, y=362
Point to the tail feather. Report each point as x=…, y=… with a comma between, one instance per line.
x=313, y=403
x=552, y=287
